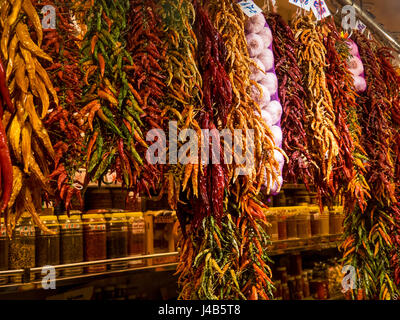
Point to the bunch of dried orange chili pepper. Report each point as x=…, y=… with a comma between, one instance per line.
x=146, y=82
x=63, y=120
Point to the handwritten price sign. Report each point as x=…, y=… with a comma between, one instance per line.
x=305, y=4
x=320, y=9
x=249, y=8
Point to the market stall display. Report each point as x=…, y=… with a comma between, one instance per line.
x=256, y=136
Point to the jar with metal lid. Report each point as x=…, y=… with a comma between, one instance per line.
x=22, y=247
x=94, y=240
x=315, y=221
x=71, y=242
x=117, y=239
x=325, y=222
x=291, y=223
x=48, y=244
x=303, y=223
x=136, y=237
x=3, y=251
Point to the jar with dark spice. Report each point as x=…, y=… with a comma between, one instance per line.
x=117, y=239
x=3, y=251
x=95, y=241
x=71, y=242
x=136, y=237
x=48, y=245
x=22, y=247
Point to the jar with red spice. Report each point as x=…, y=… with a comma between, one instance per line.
x=95, y=240
x=282, y=224
x=136, y=237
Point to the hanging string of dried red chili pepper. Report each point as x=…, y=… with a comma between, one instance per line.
x=292, y=95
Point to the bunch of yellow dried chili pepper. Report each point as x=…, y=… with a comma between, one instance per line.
x=320, y=116
x=31, y=91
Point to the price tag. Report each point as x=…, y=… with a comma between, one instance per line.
x=320, y=9
x=249, y=8
x=305, y=4
x=360, y=26
x=49, y=17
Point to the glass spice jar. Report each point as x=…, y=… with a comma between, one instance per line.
x=282, y=223
x=306, y=285
x=282, y=274
x=299, y=295
x=339, y=218
x=332, y=224
x=48, y=245
x=71, y=242
x=117, y=239
x=325, y=222
x=303, y=223
x=136, y=237
x=291, y=223
x=315, y=221
x=278, y=290
x=292, y=287
x=285, y=292
x=3, y=251
x=94, y=240
x=22, y=247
